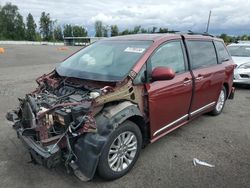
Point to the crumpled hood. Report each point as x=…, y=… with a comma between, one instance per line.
x=240, y=60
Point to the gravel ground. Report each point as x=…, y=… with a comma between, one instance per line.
x=222, y=140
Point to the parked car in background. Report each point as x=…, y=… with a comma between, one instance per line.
x=240, y=53
x=101, y=105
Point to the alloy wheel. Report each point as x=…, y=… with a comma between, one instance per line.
x=122, y=151
x=221, y=101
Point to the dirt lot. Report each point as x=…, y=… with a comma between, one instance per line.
x=223, y=140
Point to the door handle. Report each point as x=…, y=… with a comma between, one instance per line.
x=199, y=77
x=187, y=82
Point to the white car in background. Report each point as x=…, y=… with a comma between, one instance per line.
x=240, y=53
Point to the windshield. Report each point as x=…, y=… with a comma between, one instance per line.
x=242, y=51
x=104, y=60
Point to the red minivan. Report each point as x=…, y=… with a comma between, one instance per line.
x=101, y=105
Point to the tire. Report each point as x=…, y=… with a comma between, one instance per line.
x=108, y=167
x=220, y=102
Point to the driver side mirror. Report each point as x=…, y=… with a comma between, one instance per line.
x=162, y=73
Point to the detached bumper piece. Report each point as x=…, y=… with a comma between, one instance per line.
x=12, y=116
x=49, y=156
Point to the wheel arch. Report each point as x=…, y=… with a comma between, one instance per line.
x=128, y=111
x=140, y=122
x=107, y=121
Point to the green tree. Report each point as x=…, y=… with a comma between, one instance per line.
x=31, y=28
x=136, y=29
x=8, y=18
x=98, y=29
x=38, y=37
x=125, y=32
x=1, y=23
x=67, y=30
x=163, y=30
x=79, y=31
x=143, y=30
x=244, y=37
x=154, y=30
x=225, y=37
x=19, y=28
x=229, y=39
x=58, y=34
x=46, y=26
x=114, y=30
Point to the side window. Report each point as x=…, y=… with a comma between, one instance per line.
x=169, y=55
x=202, y=53
x=221, y=51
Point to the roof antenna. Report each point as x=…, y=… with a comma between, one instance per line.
x=208, y=22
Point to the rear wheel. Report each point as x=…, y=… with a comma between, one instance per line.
x=121, y=151
x=220, y=102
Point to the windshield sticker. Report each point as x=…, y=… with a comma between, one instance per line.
x=247, y=48
x=134, y=50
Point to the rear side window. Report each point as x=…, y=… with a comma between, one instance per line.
x=202, y=53
x=221, y=51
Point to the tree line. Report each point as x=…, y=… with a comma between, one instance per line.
x=113, y=30
x=14, y=27
x=232, y=39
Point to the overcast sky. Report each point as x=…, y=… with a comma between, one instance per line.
x=228, y=16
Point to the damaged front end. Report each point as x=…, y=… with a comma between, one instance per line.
x=53, y=121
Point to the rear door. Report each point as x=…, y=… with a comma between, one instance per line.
x=208, y=75
x=169, y=100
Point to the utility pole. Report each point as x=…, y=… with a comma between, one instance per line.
x=208, y=22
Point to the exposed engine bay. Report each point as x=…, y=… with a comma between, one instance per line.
x=52, y=118
x=53, y=109
x=64, y=107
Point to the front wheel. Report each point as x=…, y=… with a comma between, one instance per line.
x=121, y=151
x=220, y=102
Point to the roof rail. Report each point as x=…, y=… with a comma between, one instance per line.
x=197, y=33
